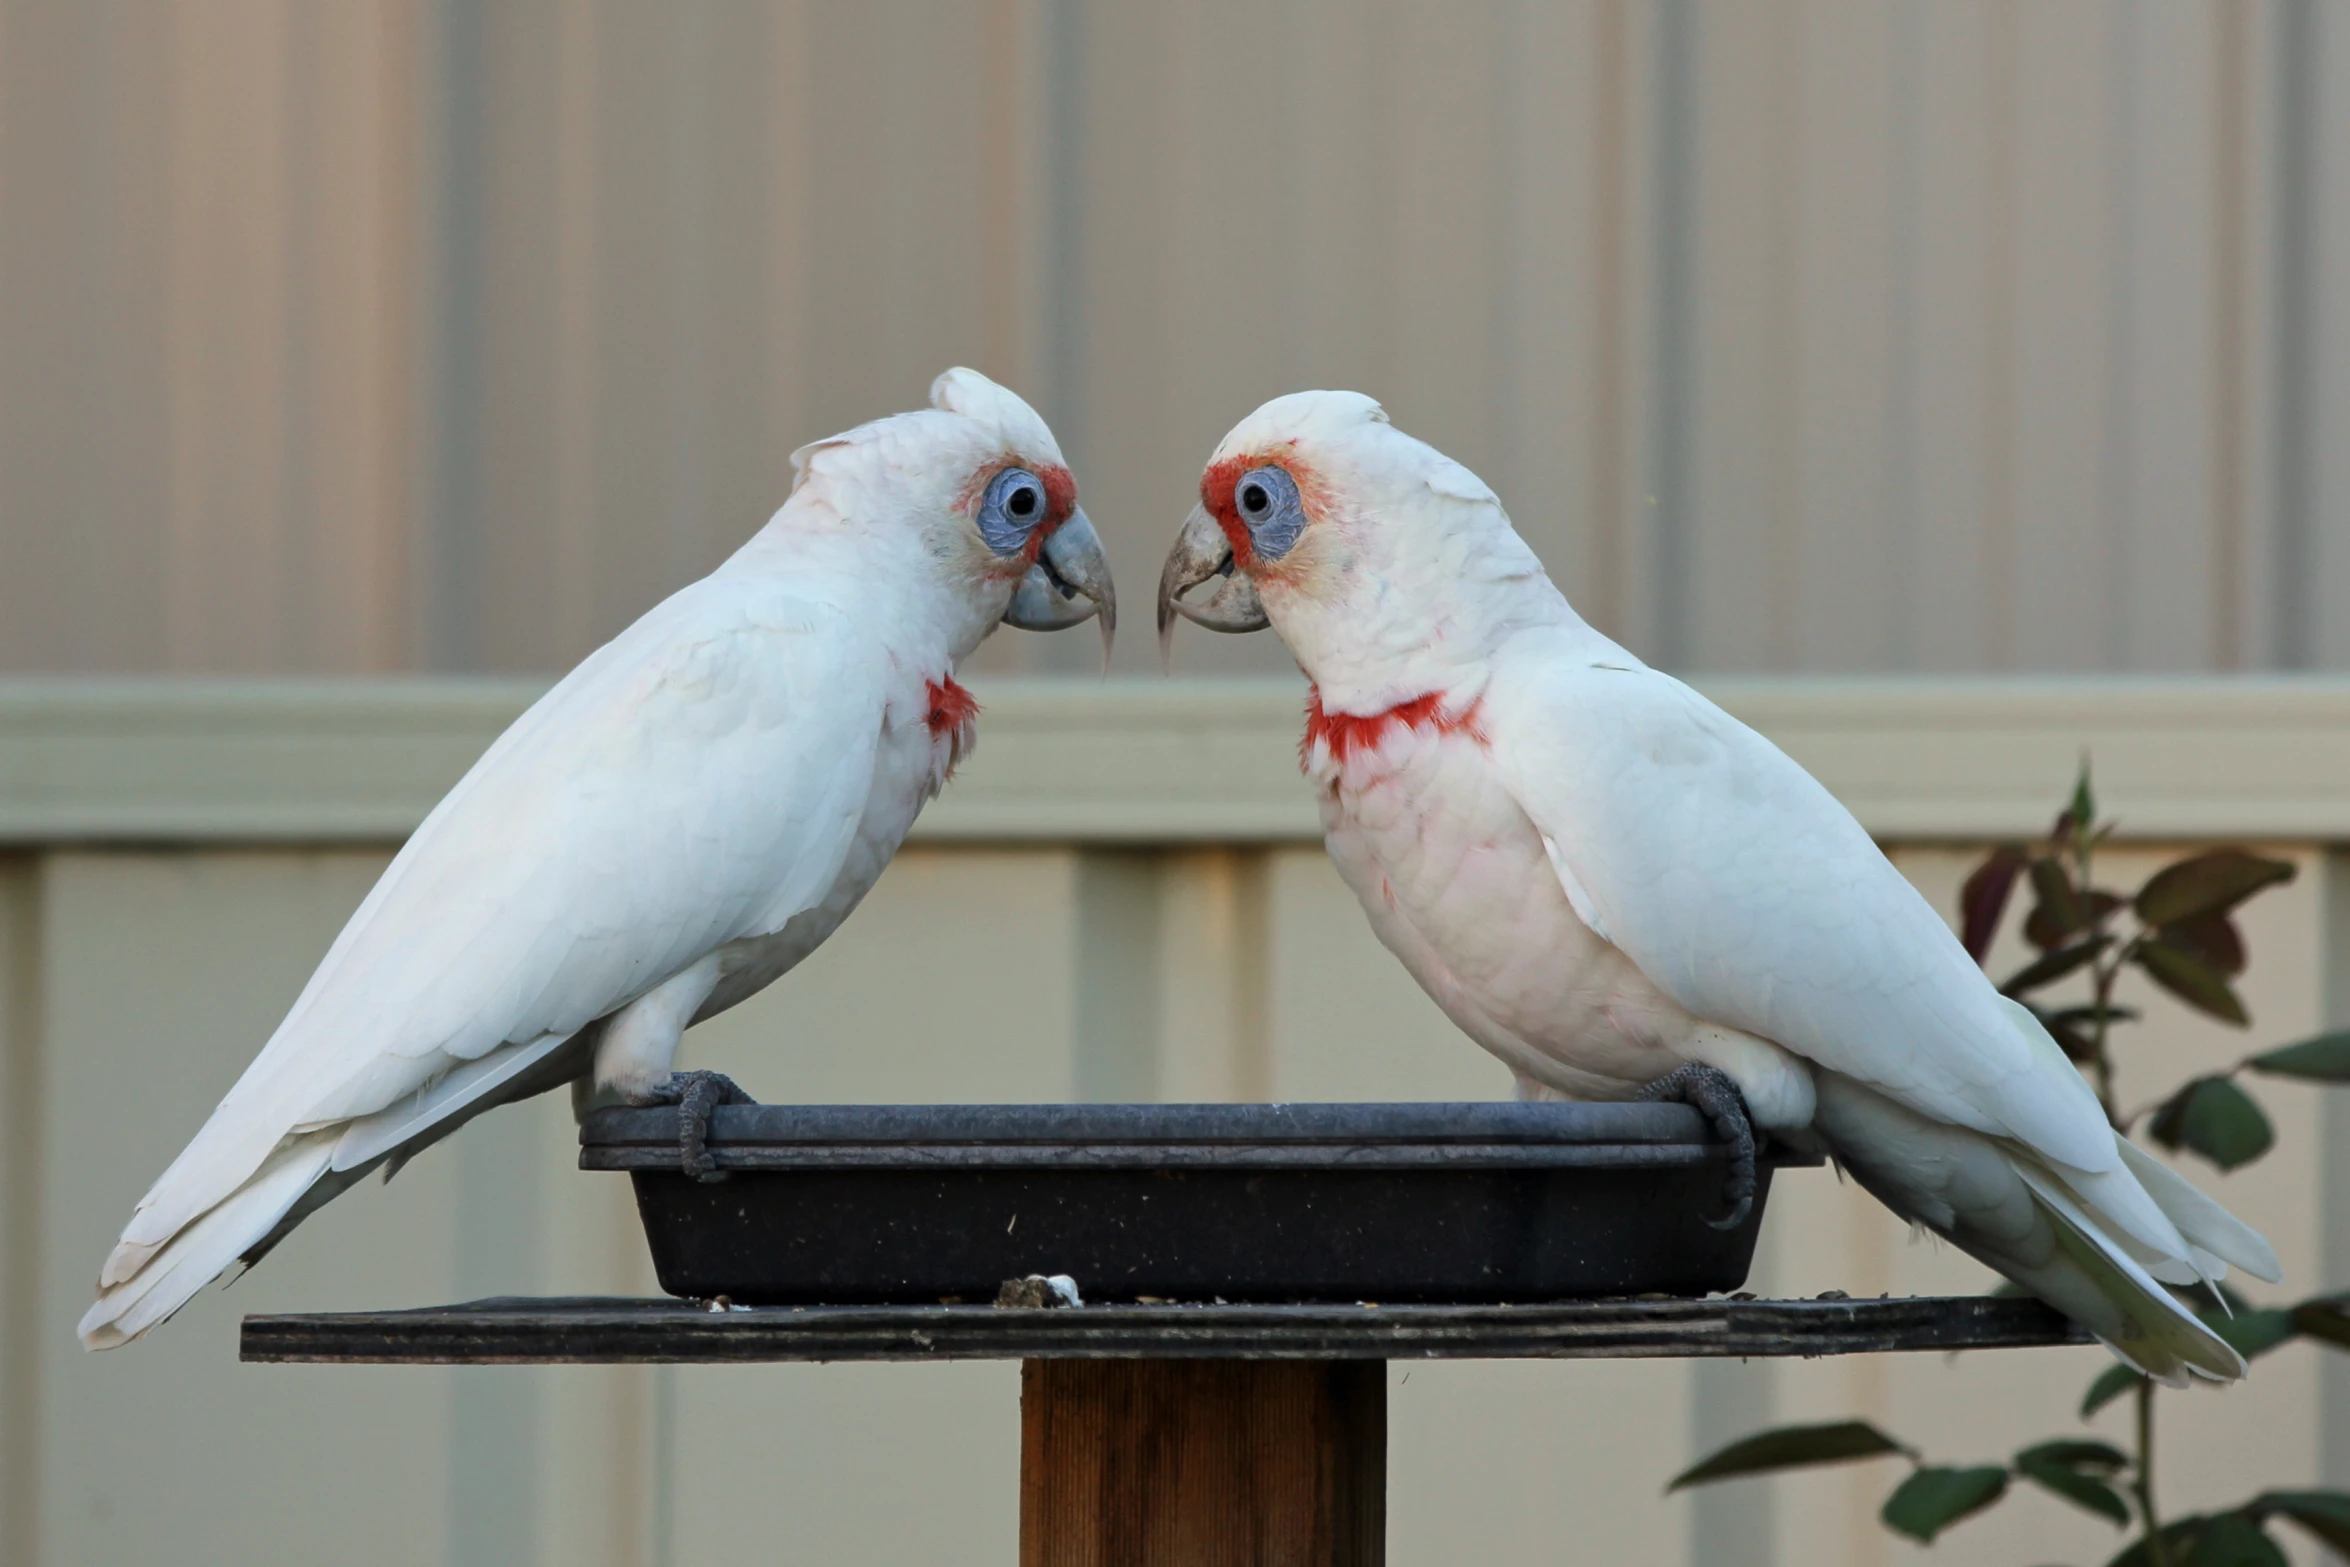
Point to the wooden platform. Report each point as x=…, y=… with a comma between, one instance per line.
x=554, y=1331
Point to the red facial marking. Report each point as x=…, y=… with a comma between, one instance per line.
x=1060, y=499
x=1215, y=493
x=1060, y=494
x=951, y=707
x=1343, y=734
x=1217, y=484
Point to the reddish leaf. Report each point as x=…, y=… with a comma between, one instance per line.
x=2052, y=924
x=2210, y=883
x=2189, y=978
x=2211, y=937
x=1984, y=898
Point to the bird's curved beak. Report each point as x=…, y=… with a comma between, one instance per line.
x=1200, y=553
x=1068, y=585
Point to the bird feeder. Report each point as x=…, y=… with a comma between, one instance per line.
x=1246, y=1271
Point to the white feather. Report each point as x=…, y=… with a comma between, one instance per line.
x=1596, y=872
x=711, y=791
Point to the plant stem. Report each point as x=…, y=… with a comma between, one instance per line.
x=2098, y=1056
x=2104, y=974
x=2157, y=1549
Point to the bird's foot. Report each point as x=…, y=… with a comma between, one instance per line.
x=696, y=1094
x=1713, y=1095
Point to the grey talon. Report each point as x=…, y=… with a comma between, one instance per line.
x=1713, y=1095
x=696, y=1094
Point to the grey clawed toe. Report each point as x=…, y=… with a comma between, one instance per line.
x=1713, y=1095
x=696, y=1094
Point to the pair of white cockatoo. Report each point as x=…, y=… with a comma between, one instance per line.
x=1599, y=876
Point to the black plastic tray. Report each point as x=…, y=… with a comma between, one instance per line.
x=846, y=1204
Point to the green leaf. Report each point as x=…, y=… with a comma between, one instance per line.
x=2083, y=1491
x=2325, y=1059
x=2089, y=1014
x=2213, y=1117
x=2054, y=966
x=2210, y=883
x=2078, y=1047
x=2253, y=1333
x=2111, y=1384
x=2076, y=1453
x=1934, y=1498
x=2325, y=1514
x=2327, y=1321
x=2231, y=1540
x=1791, y=1447
x=2189, y=978
x=2080, y=814
x=2057, y=911
x=1984, y=898
x=2079, y=1472
x=2179, y=1534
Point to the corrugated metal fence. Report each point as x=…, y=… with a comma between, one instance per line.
x=1799, y=334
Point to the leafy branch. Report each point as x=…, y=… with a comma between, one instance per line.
x=2179, y=930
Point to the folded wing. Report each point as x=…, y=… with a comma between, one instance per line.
x=696, y=781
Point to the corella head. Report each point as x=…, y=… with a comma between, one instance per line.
x=1362, y=547
x=994, y=506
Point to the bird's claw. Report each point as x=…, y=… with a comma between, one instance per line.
x=696, y=1094
x=1713, y=1095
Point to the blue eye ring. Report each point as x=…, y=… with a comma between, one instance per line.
x=1270, y=507
x=1009, y=512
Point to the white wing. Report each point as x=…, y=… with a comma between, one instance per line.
x=1749, y=895
x=697, y=780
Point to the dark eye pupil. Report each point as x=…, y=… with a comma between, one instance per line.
x=1253, y=498
x=1022, y=502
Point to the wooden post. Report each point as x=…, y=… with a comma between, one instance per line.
x=1203, y=1463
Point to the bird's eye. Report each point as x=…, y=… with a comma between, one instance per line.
x=1011, y=509
x=1268, y=501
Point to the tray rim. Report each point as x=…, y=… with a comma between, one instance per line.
x=1300, y=1135
x=1301, y=1121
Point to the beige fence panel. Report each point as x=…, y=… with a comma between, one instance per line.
x=178, y=866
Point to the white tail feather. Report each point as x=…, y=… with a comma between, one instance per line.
x=2210, y=1227
x=2141, y=1321
x=200, y=1252
x=2082, y=1243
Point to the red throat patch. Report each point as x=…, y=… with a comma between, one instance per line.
x=951, y=707
x=1343, y=734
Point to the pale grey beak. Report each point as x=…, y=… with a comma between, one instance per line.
x=1068, y=585
x=1201, y=552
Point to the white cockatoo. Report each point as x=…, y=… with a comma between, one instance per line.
x=683, y=818
x=1611, y=884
